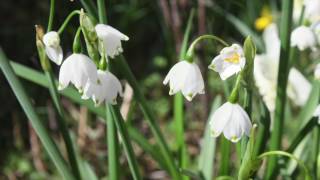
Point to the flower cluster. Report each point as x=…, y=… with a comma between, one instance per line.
x=80, y=70
x=185, y=76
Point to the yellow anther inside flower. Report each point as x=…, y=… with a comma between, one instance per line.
x=234, y=58
x=264, y=20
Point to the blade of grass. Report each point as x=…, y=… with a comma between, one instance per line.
x=276, y=135
x=208, y=146
x=42, y=133
x=178, y=110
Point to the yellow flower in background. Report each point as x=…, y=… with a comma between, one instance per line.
x=264, y=20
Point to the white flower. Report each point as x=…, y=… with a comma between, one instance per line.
x=230, y=61
x=77, y=69
x=266, y=73
x=111, y=39
x=312, y=10
x=317, y=113
x=232, y=120
x=106, y=88
x=185, y=77
x=317, y=72
x=53, y=49
x=316, y=30
x=303, y=37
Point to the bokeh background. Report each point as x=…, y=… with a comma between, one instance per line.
x=156, y=30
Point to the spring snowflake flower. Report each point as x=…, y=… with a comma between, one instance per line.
x=317, y=113
x=232, y=120
x=106, y=88
x=53, y=49
x=77, y=69
x=185, y=77
x=230, y=61
x=111, y=39
x=312, y=10
x=266, y=72
x=303, y=37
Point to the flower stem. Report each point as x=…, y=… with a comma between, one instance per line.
x=67, y=20
x=51, y=15
x=225, y=156
x=113, y=147
x=233, y=98
x=102, y=11
x=316, y=152
x=118, y=120
x=149, y=117
x=62, y=125
x=283, y=153
x=36, y=123
x=76, y=47
x=276, y=135
x=190, y=52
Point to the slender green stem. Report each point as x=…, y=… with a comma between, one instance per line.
x=126, y=142
x=122, y=64
x=179, y=104
x=90, y=7
x=67, y=20
x=276, y=135
x=76, y=47
x=51, y=15
x=283, y=153
x=113, y=147
x=36, y=123
x=316, y=152
x=302, y=134
x=190, y=52
x=225, y=156
x=233, y=98
x=102, y=11
x=63, y=126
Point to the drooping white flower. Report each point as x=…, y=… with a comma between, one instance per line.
x=53, y=49
x=77, y=69
x=185, y=77
x=312, y=10
x=232, y=120
x=106, y=88
x=317, y=113
x=303, y=37
x=230, y=61
x=316, y=30
x=111, y=39
x=266, y=73
x=317, y=72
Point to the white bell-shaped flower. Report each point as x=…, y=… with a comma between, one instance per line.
x=266, y=73
x=185, y=77
x=77, y=69
x=312, y=10
x=317, y=72
x=230, y=61
x=303, y=37
x=317, y=113
x=53, y=49
x=232, y=120
x=106, y=88
x=111, y=39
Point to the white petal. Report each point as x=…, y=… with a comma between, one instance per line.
x=220, y=118
x=193, y=83
x=51, y=39
x=54, y=54
x=299, y=86
x=65, y=74
x=272, y=41
x=303, y=38
x=317, y=72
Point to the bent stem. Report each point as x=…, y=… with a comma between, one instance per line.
x=283, y=153
x=36, y=123
x=67, y=20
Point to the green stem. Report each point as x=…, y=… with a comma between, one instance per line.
x=89, y=6
x=102, y=11
x=282, y=153
x=276, y=135
x=302, y=134
x=225, y=156
x=63, y=126
x=122, y=64
x=316, y=152
x=233, y=98
x=67, y=20
x=190, y=52
x=118, y=120
x=113, y=147
x=36, y=123
x=76, y=47
x=51, y=15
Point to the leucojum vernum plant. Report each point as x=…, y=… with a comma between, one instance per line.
x=251, y=116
